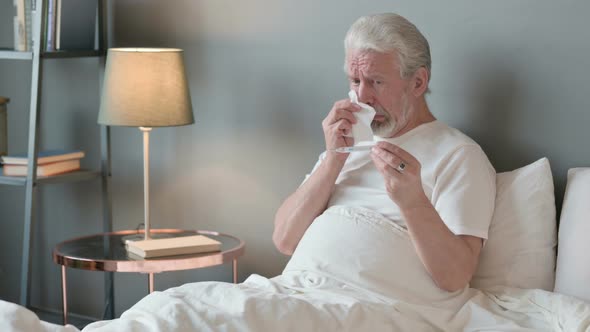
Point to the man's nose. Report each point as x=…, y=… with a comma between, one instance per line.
x=365, y=94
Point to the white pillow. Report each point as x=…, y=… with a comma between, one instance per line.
x=573, y=260
x=520, y=250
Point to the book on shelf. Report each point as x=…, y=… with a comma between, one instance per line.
x=183, y=245
x=23, y=25
x=49, y=18
x=20, y=26
x=75, y=24
x=29, y=14
x=44, y=157
x=43, y=170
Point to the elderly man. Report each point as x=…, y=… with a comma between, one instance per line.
x=422, y=175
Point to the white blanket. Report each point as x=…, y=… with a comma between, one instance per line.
x=353, y=271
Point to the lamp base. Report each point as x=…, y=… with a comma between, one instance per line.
x=141, y=237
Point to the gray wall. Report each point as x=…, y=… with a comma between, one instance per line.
x=263, y=74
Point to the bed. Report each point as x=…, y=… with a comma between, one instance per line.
x=519, y=284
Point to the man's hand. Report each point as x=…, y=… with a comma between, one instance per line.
x=338, y=124
x=401, y=172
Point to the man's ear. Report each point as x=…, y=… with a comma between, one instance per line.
x=420, y=82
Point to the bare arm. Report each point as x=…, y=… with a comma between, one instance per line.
x=309, y=201
x=300, y=209
x=450, y=259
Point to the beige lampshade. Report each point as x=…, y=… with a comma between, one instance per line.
x=145, y=87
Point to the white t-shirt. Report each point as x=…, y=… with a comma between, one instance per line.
x=457, y=178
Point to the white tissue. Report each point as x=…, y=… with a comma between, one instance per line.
x=361, y=130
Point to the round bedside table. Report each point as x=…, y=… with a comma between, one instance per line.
x=106, y=252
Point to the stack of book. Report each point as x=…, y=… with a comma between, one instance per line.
x=49, y=163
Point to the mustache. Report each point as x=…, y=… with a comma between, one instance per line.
x=380, y=111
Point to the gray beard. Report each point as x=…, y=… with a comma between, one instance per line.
x=385, y=128
x=389, y=125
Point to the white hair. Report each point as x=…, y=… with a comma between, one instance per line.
x=389, y=32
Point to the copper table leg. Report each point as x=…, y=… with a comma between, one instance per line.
x=235, y=270
x=151, y=282
x=64, y=294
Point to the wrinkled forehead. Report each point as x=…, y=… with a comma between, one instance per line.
x=370, y=61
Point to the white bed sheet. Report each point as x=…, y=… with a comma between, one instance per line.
x=309, y=302
x=340, y=278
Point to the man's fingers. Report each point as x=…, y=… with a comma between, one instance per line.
x=388, y=158
x=339, y=114
x=346, y=114
x=343, y=124
x=402, y=154
x=341, y=127
x=346, y=104
x=383, y=166
x=343, y=108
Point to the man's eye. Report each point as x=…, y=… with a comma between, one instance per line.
x=378, y=82
x=355, y=82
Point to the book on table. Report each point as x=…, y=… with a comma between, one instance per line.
x=182, y=245
x=43, y=170
x=44, y=157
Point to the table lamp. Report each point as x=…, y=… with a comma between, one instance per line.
x=145, y=88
